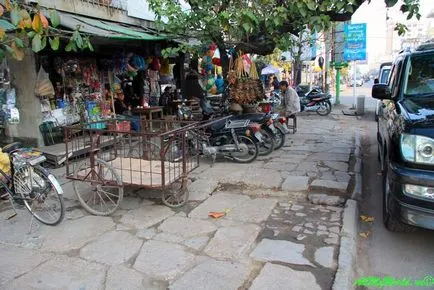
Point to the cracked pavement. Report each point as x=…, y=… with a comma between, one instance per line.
x=272, y=235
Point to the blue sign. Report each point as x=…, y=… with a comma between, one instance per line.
x=355, y=42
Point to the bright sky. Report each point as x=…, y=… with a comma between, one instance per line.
x=374, y=14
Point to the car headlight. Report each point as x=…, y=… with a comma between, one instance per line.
x=417, y=149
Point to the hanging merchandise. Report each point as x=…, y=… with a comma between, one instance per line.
x=247, y=88
x=156, y=64
x=44, y=87
x=165, y=67
x=14, y=116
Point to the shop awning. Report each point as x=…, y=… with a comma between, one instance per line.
x=104, y=28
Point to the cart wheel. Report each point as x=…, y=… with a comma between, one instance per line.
x=176, y=195
x=99, y=189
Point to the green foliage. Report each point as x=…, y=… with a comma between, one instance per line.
x=33, y=29
x=251, y=25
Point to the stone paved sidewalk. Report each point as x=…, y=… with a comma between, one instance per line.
x=272, y=237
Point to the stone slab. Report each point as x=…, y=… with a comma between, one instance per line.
x=197, y=243
x=239, y=207
x=307, y=166
x=218, y=202
x=163, y=261
x=62, y=272
x=213, y=275
x=201, y=189
x=280, y=251
x=280, y=166
x=187, y=227
x=330, y=185
x=72, y=235
x=146, y=233
x=146, y=216
x=232, y=242
x=252, y=211
x=326, y=156
x=277, y=277
x=325, y=199
x=296, y=183
x=112, y=248
x=120, y=277
x=16, y=261
x=325, y=257
x=336, y=165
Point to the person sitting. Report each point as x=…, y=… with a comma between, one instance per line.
x=290, y=102
x=120, y=105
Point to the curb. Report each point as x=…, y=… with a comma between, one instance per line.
x=348, y=248
x=357, y=192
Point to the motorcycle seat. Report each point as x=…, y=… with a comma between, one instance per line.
x=254, y=117
x=217, y=126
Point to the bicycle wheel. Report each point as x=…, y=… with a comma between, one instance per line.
x=99, y=189
x=41, y=194
x=176, y=195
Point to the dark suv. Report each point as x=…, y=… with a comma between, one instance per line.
x=406, y=140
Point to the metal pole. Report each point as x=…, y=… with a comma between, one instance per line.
x=354, y=84
x=338, y=85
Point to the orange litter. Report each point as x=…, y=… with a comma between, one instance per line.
x=216, y=215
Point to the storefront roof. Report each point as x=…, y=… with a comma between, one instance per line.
x=105, y=29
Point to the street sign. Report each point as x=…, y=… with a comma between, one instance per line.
x=355, y=42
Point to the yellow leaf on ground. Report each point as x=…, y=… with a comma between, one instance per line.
x=365, y=234
x=2, y=33
x=367, y=219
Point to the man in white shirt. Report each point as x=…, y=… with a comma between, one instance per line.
x=290, y=103
x=290, y=99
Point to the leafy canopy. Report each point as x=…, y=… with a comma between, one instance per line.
x=257, y=26
x=25, y=26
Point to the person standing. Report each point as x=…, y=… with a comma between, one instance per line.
x=275, y=84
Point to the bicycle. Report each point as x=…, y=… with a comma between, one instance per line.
x=31, y=185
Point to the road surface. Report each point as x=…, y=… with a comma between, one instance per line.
x=384, y=253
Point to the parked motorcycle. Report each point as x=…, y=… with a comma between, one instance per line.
x=231, y=139
x=316, y=100
x=268, y=138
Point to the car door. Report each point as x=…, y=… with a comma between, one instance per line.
x=388, y=115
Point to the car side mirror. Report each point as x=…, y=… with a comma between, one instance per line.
x=381, y=92
x=376, y=81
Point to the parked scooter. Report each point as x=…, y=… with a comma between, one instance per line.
x=315, y=100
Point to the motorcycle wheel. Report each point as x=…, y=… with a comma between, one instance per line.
x=249, y=150
x=324, y=108
x=279, y=140
x=267, y=145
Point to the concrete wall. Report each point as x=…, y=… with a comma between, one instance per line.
x=23, y=79
x=86, y=8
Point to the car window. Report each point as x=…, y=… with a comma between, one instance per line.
x=384, y=75
x=394, y=77
x=419, y=75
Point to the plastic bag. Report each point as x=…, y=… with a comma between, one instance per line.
x=44, y=87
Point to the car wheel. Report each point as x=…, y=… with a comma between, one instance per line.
x=391, y=223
